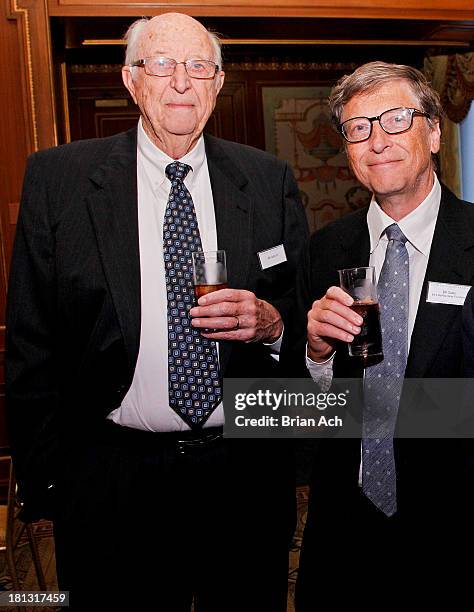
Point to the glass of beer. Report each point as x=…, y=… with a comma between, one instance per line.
x=360, y=284
x=210, y=272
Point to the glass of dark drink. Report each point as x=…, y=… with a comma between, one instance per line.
x=360, y=284
x=210, y=272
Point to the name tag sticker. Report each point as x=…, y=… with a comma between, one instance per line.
x=272, y=257
x=447, y=293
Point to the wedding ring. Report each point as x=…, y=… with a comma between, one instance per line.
x=238, y=324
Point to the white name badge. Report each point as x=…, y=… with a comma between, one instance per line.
x=272, y=257
x=447, y=293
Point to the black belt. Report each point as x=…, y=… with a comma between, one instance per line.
x=187, y=443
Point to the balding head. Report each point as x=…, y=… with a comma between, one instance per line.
x=174, y=108
x=139, y=31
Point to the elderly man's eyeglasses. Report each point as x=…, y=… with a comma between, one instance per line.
x=165, y=66
x=393, y=121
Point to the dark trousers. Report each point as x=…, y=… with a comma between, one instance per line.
x=141, y=526
x=352, y=554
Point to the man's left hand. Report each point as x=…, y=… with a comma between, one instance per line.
x=237, y=314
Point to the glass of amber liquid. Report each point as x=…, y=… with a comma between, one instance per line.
x=210, y=272
x=360, y=284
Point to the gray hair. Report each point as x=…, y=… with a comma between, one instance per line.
x=371, y=76
x=135, y=31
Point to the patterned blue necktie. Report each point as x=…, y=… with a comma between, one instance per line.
x=384, y=381
x=193, y=368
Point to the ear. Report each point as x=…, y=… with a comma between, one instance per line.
x=435, y=136
x=127, y=79
x=220, y=77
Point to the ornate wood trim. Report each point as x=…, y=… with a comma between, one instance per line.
x=5, y=266
x=257, y=64
x=450, y=10
x=21, y=15
x=65, y=102
x=34, y=41
x=117, y=42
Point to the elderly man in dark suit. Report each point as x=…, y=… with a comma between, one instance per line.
x=387, y=516
x=114, y=372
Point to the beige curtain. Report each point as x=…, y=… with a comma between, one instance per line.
x=453, y=78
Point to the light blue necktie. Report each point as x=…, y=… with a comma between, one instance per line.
x=194, y=380
x=383, y=382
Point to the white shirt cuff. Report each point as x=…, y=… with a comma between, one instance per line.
x=321, y=373
x=276, y=346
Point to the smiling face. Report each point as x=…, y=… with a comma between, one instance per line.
x=397, y=168
x=175, y=108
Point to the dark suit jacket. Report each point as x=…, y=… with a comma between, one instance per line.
x=74, y=295
x=468, y=334
x=430, y=473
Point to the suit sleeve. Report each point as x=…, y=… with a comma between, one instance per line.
x=31, y=385
x=293, y=352
x=295, y=236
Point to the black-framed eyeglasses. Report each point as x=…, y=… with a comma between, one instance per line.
x=392, y=121
x=165, y=66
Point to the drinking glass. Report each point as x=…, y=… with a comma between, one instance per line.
x=360, y=284
x=209, y=271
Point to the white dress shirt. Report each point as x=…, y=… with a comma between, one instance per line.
x=146, y=404
x=418, y=227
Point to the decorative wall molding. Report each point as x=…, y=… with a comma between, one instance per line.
x=405, y=9
x=279, y=64
x=29, y=65
x=93, y=68
x=36, y=61
x=22, y=16
x=258, y=64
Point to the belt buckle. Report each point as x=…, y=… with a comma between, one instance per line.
x=195, y=446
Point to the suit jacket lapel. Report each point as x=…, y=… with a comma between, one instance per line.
x=355, y=241
x=451, y=238
x=114, y=213
x=233, y=207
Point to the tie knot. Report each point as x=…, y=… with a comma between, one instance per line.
x=393, y=232
x=177, y=170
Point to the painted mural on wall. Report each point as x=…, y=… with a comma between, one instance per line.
x=298, y=129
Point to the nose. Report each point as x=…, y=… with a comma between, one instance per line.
x=180, y=80
x=379, y=140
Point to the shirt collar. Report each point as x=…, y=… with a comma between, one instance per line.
x=418, y=226
x=159, y=159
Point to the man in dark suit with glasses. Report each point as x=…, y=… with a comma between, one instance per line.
x=388, y=515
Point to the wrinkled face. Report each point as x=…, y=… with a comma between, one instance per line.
x=392, y=164
x=177, y=105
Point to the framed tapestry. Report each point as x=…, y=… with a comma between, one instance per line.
x=298, y=129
